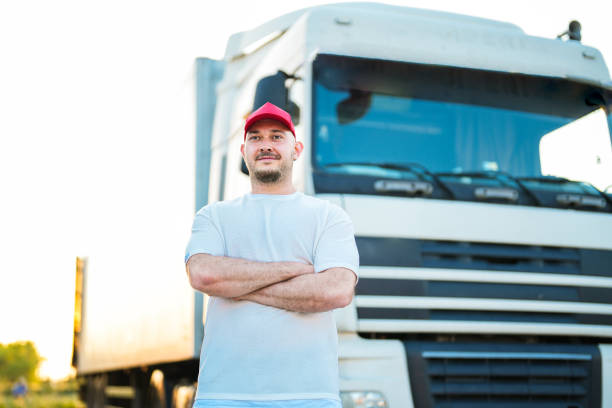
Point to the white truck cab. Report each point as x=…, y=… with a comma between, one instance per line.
x=473, y=160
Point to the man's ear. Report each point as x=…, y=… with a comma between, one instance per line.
x=242, y=150
x=299, y=147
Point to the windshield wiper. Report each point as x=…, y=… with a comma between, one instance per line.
x=501, y=176
x=546, y=179
x=415, y=168
x=579, y=200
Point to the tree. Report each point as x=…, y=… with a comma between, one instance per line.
x=19, y=359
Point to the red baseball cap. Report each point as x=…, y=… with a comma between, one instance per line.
x=269, y=111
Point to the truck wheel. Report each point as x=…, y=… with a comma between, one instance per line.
x=156, y=395
x=183, y=394
x=96, y=387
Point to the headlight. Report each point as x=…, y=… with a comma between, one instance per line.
x=363, y=399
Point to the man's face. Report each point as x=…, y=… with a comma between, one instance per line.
x=269, y=151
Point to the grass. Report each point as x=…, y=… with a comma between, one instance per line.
x=44, y=394
x=42, y=401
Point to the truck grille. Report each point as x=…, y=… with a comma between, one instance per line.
x=471, y=255
x=409, y=285
x=451, y=376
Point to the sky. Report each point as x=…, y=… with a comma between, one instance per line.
x=97, y=134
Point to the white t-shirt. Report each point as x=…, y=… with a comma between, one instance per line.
x=257, y=352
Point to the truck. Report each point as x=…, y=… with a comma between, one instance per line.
x=475, y=162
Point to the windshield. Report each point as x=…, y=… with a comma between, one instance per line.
x=457, y=121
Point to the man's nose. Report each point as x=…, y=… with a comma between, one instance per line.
x=265, y=149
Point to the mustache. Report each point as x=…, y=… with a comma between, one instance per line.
x=267, y=156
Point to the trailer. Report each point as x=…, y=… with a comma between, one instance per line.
x=475, y=162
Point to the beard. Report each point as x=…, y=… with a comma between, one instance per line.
x=271, y=176
x=268, y=176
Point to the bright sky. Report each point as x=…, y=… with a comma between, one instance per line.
x=96, y=134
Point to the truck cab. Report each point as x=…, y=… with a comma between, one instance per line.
x=475, y=163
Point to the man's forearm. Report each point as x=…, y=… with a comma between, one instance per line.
x=230, y=277
x=310, y=293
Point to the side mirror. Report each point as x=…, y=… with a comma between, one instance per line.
x=574, y=31
x=272, y=89
x=354, y=107
x=243, y=166
x=294, y=111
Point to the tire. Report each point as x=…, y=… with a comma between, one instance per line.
x=95, y=394
x=156, y=394
x=183, y=394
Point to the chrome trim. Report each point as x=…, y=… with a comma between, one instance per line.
x=459, y=327
x=504, y=355
x=484, y=276
x=510, y=305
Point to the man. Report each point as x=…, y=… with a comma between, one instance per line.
x=275, y=263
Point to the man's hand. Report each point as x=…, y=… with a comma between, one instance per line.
x=230, y=277
x=309, y=293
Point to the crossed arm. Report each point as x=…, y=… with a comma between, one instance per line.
x=286, y=285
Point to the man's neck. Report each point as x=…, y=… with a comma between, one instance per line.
x=271, y=188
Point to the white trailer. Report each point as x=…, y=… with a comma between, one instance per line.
x=473, y=160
